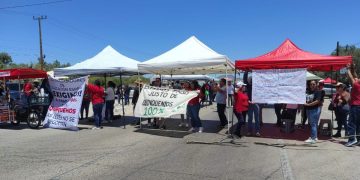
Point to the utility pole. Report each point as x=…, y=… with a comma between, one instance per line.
x=39, y=18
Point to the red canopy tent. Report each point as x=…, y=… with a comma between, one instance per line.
x=22, y=73
x=328, y=81
x=289, y=56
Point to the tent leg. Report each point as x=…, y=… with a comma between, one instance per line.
x=19, y=87
x=332, y=112
x=227, y=100
x=232, y=115
x=122, y=99
x=139, y=95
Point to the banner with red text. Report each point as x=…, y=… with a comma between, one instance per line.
x=63, y=112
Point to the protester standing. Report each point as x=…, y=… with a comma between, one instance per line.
x=97, y=99
x=354, y=116
x=254, y=108
x=230, y=91
x=312, y=105
x=127, y=90
x=220, y=99
x=194, y=108
x=241, y=104
x=341, y=108
x=85, y=104
x=278, y=108
x=110, y=101
x=186, y=86
x=135, y=98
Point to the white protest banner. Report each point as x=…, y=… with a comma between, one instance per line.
x=162, y=102
x=279, y=86
x=63, y=112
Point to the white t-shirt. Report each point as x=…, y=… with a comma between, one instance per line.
x=230, y=89
x=110, y=94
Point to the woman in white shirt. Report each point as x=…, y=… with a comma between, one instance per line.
x=110, y=100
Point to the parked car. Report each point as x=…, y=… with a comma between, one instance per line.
x=327, y=88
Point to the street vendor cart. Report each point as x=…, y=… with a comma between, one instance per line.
x=16, y=109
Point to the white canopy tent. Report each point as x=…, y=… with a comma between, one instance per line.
x=108, y=61
x=190, y=57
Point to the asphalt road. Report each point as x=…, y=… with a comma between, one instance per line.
x=131, y=153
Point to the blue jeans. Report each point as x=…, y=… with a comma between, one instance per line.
x=194, y=114
x=97, y=108
x=313, y=115
x=126, y=96
x=354, y=122
x=109, y=109
x=253, y=111
x=241, y=121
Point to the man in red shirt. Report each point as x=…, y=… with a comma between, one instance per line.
x=27, y=88
x=354, y=116
x=97, y=99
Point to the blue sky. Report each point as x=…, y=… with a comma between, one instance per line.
x=79, y=29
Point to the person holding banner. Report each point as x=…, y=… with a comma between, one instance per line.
x=97, y=99
x=220, y=99
x=312, y=105
x=194, y=107
x=241, y=104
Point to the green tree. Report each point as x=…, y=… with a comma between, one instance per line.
x=347, y=50
x=5, y=59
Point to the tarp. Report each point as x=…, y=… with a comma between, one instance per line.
x=108, y=61
x=22, y=73
x=190, y=57
x=328, y=81
x=289, y=56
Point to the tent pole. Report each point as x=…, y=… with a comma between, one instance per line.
x=332, y=112
x=227, y=99
x=122, y=98
x=232, y=116
x=139, y=94
x=19, y=86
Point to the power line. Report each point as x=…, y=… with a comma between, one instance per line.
x=35, y=4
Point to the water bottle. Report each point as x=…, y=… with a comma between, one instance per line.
x=42, y=92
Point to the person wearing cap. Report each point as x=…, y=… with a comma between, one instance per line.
x=241, y=104
x=354, y=114
x=341, y=107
